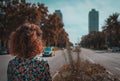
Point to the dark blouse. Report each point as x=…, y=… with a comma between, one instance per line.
x=33, y=69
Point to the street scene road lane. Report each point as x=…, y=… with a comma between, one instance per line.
x=109, y=60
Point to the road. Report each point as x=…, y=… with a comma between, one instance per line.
x=111, y=61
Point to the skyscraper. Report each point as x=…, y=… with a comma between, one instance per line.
x=59, y=13
x=93, y=20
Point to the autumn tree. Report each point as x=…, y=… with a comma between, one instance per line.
x=52, y=29
x=16, y=15
x=19, y=13
x=63, y=38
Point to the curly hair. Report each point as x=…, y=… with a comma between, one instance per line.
x=26, y=41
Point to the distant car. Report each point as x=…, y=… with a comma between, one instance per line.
x=115, y=49
x=3, y=52
x=49, y=51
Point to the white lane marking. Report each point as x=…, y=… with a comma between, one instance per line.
x=55, y=74
x=110, y=72
x=117, y=68
x=90, y=60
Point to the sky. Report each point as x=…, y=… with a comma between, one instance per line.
x=75, y=13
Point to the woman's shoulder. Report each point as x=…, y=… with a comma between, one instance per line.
x=18, y=60
x=15, y=61
x=12, y=60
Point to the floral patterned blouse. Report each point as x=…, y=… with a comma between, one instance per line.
x=33, y=69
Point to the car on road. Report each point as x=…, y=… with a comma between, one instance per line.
x=3, y=51
x=49, y=51
x=115, y=49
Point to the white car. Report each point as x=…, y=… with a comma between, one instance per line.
x=115, y=49
x=49, y=51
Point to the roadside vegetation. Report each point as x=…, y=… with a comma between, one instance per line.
x=80, y=70
x=15, y=13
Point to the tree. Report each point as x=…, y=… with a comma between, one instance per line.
x=111, y=29
x=15, y=2
x=63, y=38
x=18, y=14
x=95, y=40
x=52, y=29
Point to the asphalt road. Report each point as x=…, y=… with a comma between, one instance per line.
x=111, y=61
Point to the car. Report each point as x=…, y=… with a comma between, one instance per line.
x=115, y=49
x=49, y=51
x=3, y=52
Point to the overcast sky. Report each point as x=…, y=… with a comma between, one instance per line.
x=75, y=13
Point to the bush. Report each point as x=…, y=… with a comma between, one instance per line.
x=84, y=71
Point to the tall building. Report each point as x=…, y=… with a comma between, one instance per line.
x=59, y=13
x=93, y=20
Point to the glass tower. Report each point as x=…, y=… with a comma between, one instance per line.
x=93, y=20
x=59, y=13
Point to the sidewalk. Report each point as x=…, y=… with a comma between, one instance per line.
x=4, y=59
